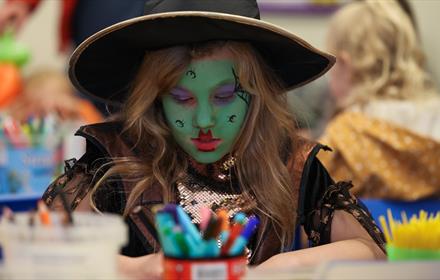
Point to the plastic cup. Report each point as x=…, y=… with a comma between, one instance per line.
x=402, y=254
x=86, y=250
x=232, y=268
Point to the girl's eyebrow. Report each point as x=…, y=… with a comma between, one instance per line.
x=179, y=90
x=228, y=86
x=223, y=83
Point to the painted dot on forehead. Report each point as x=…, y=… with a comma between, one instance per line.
x=191, y=73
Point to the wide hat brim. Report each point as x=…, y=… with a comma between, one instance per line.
x=105, y=64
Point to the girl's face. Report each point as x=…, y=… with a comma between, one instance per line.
x=206, y=109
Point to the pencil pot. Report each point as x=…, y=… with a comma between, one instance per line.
x=402, y=254
x=231, y=268
x=27, y=169
x=87, y=249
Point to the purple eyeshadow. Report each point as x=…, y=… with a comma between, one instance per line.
x=180, y=94
x=225, y=90
x=224, y=94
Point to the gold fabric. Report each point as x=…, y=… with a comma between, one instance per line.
x=382, y=159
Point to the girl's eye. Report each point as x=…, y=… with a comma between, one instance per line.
x=224, y=94
x=181, y=96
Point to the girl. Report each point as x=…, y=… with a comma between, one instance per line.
x=205, y=122
x=389, y=107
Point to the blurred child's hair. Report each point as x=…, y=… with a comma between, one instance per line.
x=386, y=57
x=49, y=91
x=43, y=75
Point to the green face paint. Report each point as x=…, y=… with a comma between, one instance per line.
x=206, y=110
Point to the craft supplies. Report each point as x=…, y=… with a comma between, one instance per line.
x=49, y=248
x=414, y=238
x=31, y=154
x=172, y=220
x=216, y=251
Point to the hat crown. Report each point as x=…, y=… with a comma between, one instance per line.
x=247, y=8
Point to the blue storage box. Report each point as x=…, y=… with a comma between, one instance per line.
x=26, y=171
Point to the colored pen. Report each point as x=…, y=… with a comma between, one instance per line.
x=213, y=228
x=43, y=213
x=187, y=226
x=171, y=209
x=241, y=241
x=195, y=250
x=211, y=249
x=222, y=215
x=27, y=134
x=236, y=229
x=240, y=218
x=170, y=244
x=13, y=133
x=180, y=240
x=165, y=225
x=205, y=214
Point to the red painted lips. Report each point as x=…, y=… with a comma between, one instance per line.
x=205, y=142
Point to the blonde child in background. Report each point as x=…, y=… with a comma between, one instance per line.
x=48, y=96
x=387, y=136
x=48, y=91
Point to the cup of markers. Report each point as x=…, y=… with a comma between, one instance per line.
x=216, y=251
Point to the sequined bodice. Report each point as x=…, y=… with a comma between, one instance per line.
x=214, y=186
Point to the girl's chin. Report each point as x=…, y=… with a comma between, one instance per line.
x=207, y=157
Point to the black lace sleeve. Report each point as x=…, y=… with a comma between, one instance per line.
x=320, y=196
x=77, y=181
x=74, y=184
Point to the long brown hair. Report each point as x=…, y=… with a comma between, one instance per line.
x=258, y=147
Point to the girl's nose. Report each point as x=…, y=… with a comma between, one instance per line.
x=204, y=116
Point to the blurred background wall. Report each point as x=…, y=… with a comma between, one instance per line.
x=40, y=34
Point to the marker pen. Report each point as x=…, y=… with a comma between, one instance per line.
x=187, y=226
x=241, y=241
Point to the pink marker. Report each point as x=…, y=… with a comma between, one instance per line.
x=205, y=214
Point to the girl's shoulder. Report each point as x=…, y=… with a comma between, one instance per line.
x=104, y=141
x=107, y=139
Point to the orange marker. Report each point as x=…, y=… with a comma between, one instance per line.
x=222, y=215
x=43, y=213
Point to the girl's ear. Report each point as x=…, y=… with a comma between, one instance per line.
x=340, y=78
x=344, y=59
